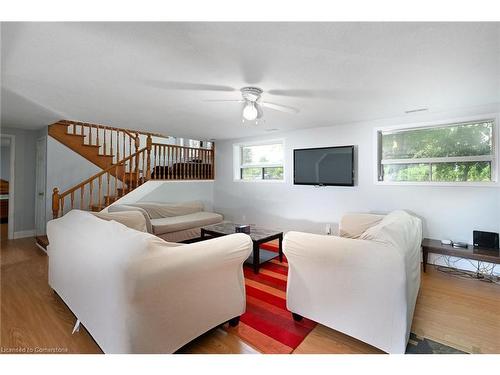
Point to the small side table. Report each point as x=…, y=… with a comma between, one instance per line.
x=473, y=253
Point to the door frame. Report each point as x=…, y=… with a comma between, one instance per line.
x=44, y=172
x=12, y=173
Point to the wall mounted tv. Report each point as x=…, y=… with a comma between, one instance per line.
x=326, y=166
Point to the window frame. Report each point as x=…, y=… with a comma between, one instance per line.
x=493, y=158
x=238, y=166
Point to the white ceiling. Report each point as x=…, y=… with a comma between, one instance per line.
x=139, y=75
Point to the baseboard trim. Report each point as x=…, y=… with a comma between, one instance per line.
x=24, y=234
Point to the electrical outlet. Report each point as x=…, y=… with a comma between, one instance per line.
x=328, y=229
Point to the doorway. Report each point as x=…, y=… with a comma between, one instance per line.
x=7, y=156
x=41, y=173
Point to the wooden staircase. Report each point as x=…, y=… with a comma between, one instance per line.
x=128, y=158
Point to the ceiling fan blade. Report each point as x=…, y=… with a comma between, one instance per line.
x=176, y=85
x=280, y=107
x=300, y=93
x=223, y=101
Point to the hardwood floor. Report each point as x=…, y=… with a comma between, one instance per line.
x=464, y=314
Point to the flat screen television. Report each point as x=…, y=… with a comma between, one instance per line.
x=326, y=166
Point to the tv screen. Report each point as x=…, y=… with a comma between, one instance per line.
x=332, y=166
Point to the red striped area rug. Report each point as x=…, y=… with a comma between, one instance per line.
x=267, y=325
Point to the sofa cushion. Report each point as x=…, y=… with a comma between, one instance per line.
x=157, y=210
x=178, y=223
x=132, y=219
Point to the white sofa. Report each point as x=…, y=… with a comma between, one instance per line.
x=136, y=293
x=365, y=286
x=174, y=222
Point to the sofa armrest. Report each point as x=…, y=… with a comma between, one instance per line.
x=184, y=291
x=124, y=207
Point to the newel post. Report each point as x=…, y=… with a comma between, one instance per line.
x=149, y=146
x=55, y=203
x=213, y=160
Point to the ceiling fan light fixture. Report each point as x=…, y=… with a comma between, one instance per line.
x=250, y=113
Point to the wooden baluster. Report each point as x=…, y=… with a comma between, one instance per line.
x=72, y=197
x=107, y=188
x=190, y=164
x=82, y=196
x=97, y=140
x=116, y=180
x=165, y=170
x=111, y=144
x=198, y=165
x=144, y=171
x=137, y=144
x=99, y=191
x=212, y=162
x=62, y=206
x=129, y=145
x=55, y=203
x=176, y=162
x=124, y=151
x=91, y=196
x=168, y=161
x=205, y=168
x=136, y=157
x=117, y=147
x=81, y=129
x=124, y=184
x=105, y=143
x=90, y=135
x=74, y=128
x=183, y=162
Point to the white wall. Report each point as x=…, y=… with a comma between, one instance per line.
x=65, y=169
x=172, y=192
x=447, y=212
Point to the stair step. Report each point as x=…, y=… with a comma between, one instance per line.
x=42, y=241
x=77, y=135
x=97, y=207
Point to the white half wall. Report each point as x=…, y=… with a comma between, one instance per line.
x=447, y=211
x=172, y=192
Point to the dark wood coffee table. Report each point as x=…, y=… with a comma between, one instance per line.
x=257, y=234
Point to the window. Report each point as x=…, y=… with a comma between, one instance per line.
x=259, y=162
x=461, y=152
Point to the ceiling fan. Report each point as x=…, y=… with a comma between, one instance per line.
x=253, y=104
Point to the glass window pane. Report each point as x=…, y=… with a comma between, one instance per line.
x=273, y=173
x=407, y=172
x=458, y=140
x=251, y=173
x=260, y=154
x=466, y=171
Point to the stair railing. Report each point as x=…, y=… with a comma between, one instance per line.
x=172, y=162
x=103, y=188
x=112, y=141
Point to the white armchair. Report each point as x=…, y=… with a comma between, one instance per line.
x=366, y=286
x=136, y=293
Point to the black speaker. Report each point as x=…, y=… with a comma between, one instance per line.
x=487, y=240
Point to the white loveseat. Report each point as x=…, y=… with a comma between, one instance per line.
x=365, y=286
x=136, y=293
